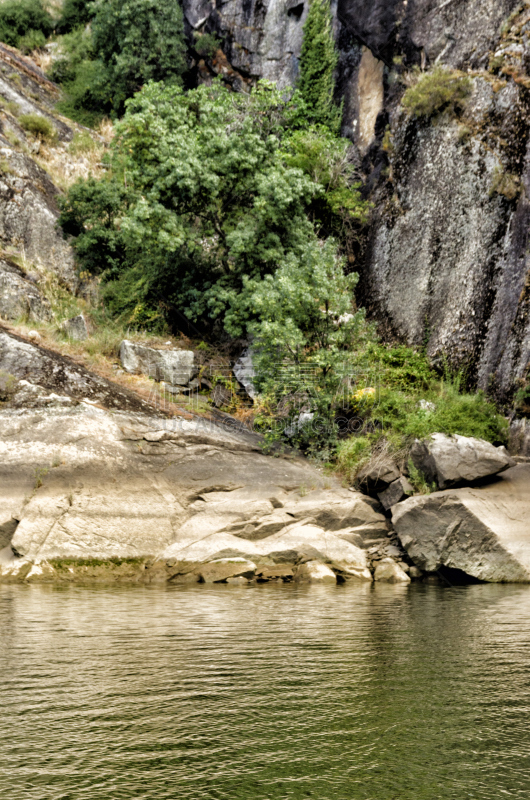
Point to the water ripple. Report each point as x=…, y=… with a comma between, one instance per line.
x=265, y=693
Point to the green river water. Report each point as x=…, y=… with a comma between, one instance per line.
x=278, y=692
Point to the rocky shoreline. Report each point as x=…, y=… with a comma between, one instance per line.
x=94, y=494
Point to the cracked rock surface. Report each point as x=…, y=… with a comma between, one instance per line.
x=482, y=531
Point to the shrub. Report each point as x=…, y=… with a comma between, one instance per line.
x=19, y=17
x=338, y=211
x=437, y=91
x=418, y=480
x=353, y=454
x=505, y=184
x=85, y=80
x=10, y=106
x=39, y=126
x=318, y=60
x=33, y=40
x=206, y=44
x=82, y=143
x=87, y=95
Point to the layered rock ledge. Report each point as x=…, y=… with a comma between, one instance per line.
x=87, y=493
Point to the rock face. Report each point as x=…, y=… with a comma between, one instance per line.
x=174, y=366
x=260, y=39
x=19, y=296
x=451, y=460
x=28, y=215
x=483, y=531
x=447, y=257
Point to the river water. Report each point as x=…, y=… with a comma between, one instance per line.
x=331, y=693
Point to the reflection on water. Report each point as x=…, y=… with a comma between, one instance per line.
x=332, y=693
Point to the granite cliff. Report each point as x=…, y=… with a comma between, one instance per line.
x=445, y=264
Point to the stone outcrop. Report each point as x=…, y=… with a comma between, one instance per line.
x=453, y=460
x=176, y=367
x=388, y=571
x=42, y=371
x=92, y=495
x=378, y=475
x=29, y=212
x=483, y=531
x=519, y=441
x=260, y=39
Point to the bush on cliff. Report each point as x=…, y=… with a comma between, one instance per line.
x=318, y=61
x=437, y=91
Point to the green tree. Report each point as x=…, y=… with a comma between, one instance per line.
x=305, y=332
x=139, y=41
x=210, y=200
x=318, y=61
x=19, y=18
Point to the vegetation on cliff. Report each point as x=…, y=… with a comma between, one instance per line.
x=318, y=61
x=240, y=214
x=437, y=91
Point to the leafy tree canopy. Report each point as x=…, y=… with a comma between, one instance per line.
x=204, y=198
x=139, y=41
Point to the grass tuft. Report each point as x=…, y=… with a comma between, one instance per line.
x=437, y=91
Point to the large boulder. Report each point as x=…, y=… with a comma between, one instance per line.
x=314, y=572
x=483, y=531
x=452, y=460
x=389, y=572
x=176, y=367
